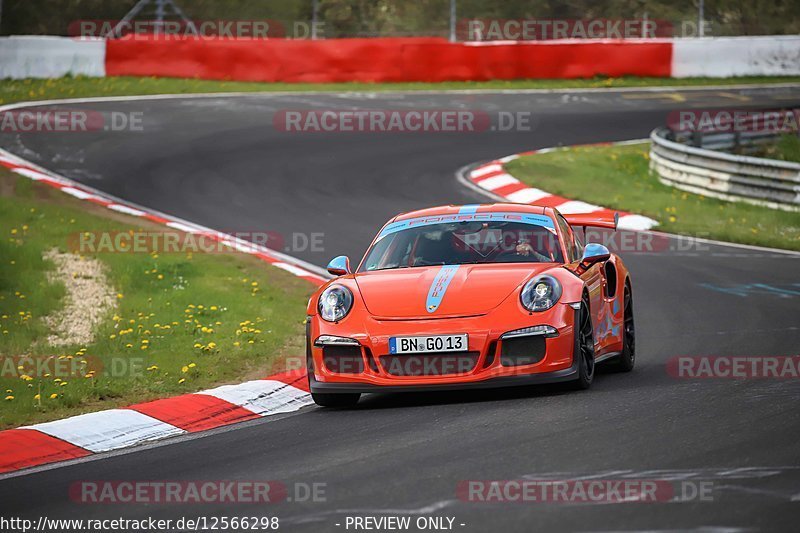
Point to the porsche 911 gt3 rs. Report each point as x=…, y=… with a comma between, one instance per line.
x=470, y=296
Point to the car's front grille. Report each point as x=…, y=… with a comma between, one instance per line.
x=430, y=364
x=343, y=359
x=519, y=351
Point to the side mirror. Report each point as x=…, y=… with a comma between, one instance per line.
x=339, y=266
x=592, y=254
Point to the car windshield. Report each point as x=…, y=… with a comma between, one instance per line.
x=528, y=239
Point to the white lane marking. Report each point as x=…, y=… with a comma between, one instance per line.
x=108, y=430
x=262, y=396
x=574, y=207
x=567, y=91
x=77, y=193
x=528, y=195
x=636, y=222
x=297, y=271
x=127, y=210
x=495, y=182
x=188, y=228
x=486, y=169
x=32, y=174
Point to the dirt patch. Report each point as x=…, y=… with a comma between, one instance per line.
x=89, y=298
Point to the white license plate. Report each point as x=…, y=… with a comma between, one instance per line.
x=432, y=343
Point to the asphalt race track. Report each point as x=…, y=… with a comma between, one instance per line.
x=220, y=162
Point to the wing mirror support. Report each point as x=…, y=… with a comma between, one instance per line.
x=339, y=266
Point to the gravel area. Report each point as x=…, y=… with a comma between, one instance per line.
x=89, y=298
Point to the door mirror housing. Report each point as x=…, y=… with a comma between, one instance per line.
x=593, y=253
x=339, y=266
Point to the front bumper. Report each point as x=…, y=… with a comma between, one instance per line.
x=557, y=363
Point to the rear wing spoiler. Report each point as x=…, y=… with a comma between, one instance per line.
x=596, y=220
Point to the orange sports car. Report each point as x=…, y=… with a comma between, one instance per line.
x=470, y=296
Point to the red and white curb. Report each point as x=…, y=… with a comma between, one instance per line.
x=113, y=429
x=493, y=179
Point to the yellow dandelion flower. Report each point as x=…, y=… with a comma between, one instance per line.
x=181, y=380
x=184, y=369
x=9, y=398
x=53, y=396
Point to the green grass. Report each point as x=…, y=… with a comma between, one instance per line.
x=618, y=177
x=786, y=148
x=190, y=308
x=35, y=89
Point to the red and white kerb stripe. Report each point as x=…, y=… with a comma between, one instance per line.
x=113, y=429
x=492, y=177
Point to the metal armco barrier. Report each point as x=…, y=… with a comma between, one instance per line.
x=755, y=180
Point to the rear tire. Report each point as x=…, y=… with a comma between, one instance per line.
x=628, y=356
x=327, y=399
x=585, y=349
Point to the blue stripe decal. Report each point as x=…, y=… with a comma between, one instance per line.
x=522, y=218
x=439, y=287
x=468, y=209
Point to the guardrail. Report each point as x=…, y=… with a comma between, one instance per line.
x=754, y=180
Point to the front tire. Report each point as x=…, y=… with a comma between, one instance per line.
x=584, y=348
x=327, y=399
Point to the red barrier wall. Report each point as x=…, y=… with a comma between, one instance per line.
x=383, y=60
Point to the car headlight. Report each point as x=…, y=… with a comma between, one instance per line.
x=541, y=293
x=334, y=303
